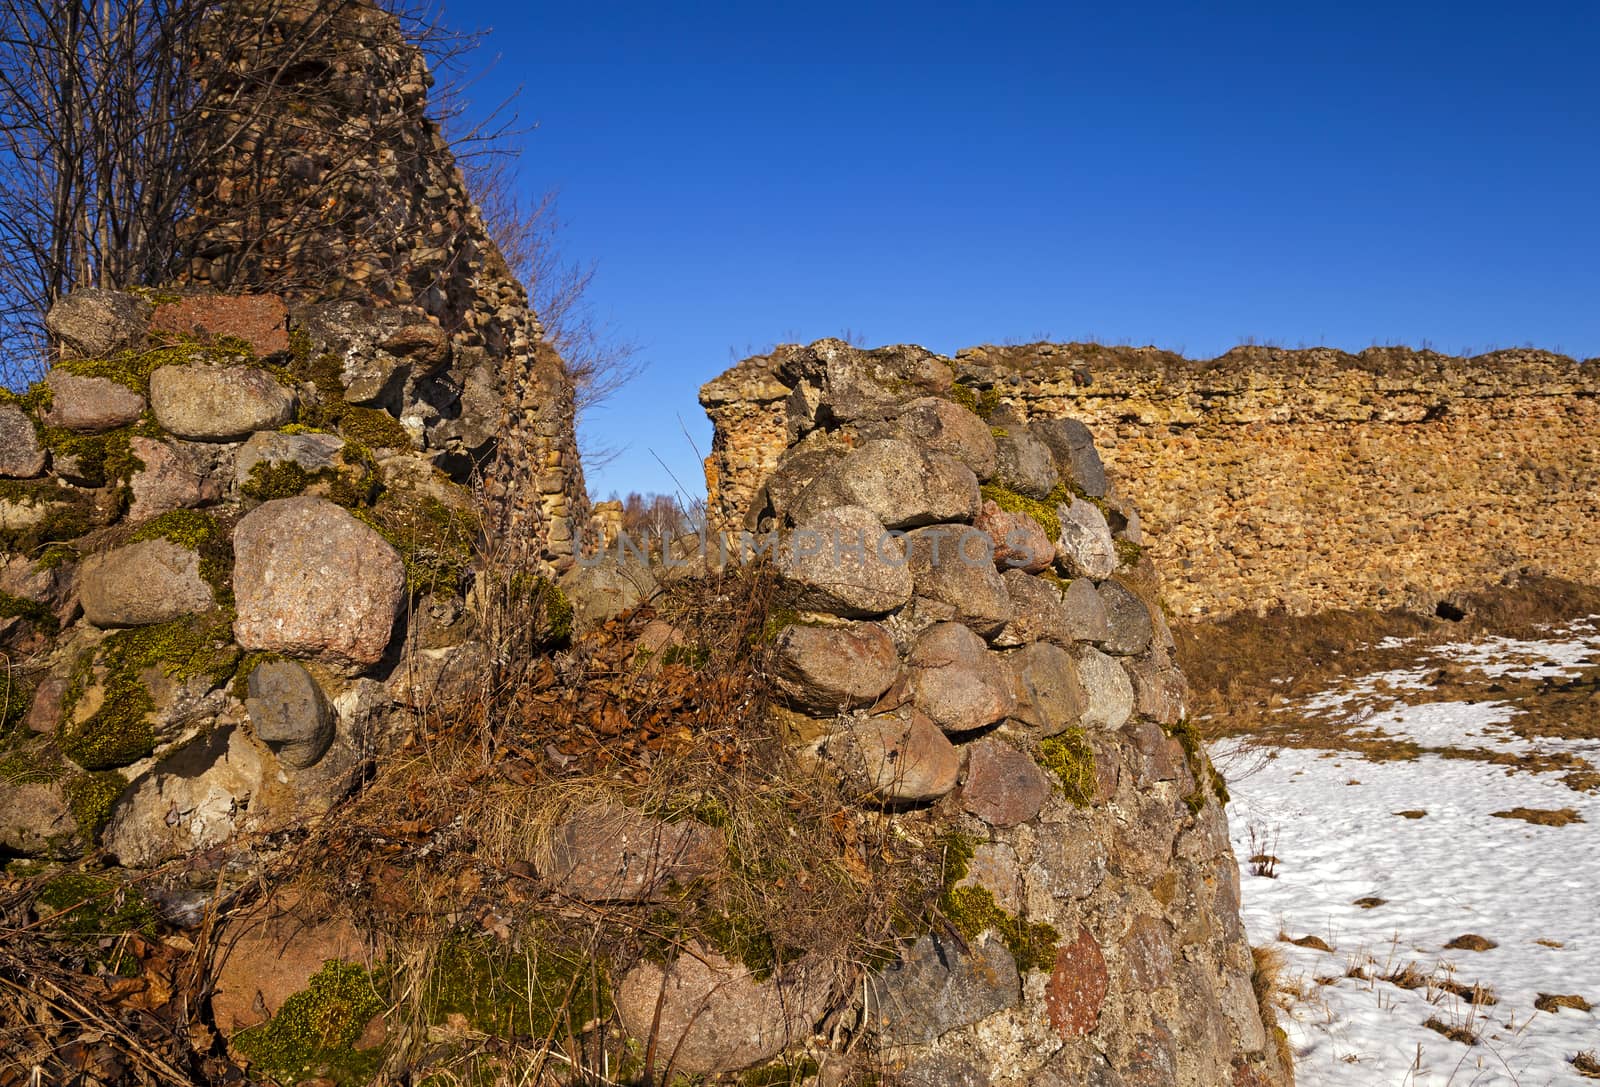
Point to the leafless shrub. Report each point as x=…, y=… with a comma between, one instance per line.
x=1263, y=851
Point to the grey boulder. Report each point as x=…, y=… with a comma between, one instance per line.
x=21, y=454
x=842, y=561
x=902, y=486
x=312, y=452
x=90, y=405
x=832, y=668
x=1108, y=690
x=1085, y=612
x=706, y=1014
x=1050, y=697
x=942, y=426
x=1037, y=613
x=91, y=323
x=953, y=567
x=1076, y=457
x=1025, y=463
x=956, y=681
x=218, y=403
x=939, y=985
x=1129, y=619
x=174, y=477
x=289, y=713
x=154, y=581
x=1085, y=545
x=899, y=757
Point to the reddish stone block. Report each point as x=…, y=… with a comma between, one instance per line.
x=262, y=320
x=1077, y=987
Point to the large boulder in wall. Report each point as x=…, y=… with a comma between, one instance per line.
x=313, y=582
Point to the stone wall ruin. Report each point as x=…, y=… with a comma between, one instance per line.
x=1269, y=479
x=1017, y=687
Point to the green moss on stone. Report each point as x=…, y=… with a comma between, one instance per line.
x=1128, y=553
x=156, y=296
x=20, y=607
x=300, y=350
x=1200, y=766
x=68, y=514
x=323, y=372
x=358, y=486
x=314, y=1032
x=202, y=533
x=437, y=542
x=31, y=764
x=965, y=396
x=271, y=479
x=90, y=797
x=1041, y=510
x=54, y=555
x=552, y=603
x=133, y=368
x=87, y=909
x=956, y=853
x=240, y=687
x=15, y=698
x=120, y=732
x=34, y=400
x=745, y=940
x=373, y=428
x=778, y=620
x=981, y=402
x=1061, y=583
x=503, y=990
x=187, y=528
x=973, y=909
x=1070, y=758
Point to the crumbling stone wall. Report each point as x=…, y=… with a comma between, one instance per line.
x=1302, y=480
x=325, y=180
x=224, y=587
x=976, y=642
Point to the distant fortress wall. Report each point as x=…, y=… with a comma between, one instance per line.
x=1301, y=480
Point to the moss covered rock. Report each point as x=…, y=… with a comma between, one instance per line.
x=90, y=403
x=109, y=713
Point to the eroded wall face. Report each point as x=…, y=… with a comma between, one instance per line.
x=1301, y=480
x=329, y=181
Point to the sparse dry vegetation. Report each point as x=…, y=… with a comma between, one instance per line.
x=486, y=967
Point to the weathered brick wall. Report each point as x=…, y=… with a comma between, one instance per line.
x=1303, y=480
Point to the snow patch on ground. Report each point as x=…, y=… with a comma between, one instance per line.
x=1535, y=890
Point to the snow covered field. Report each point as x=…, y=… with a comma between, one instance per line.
x=1386, y=893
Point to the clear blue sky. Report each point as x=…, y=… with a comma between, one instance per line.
x=1183, y=175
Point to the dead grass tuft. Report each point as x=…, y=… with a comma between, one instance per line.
x=1316, y=943
x=1455, y=1032
x=1544, y=817
x=1243, y=669
x=1554, y=1002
